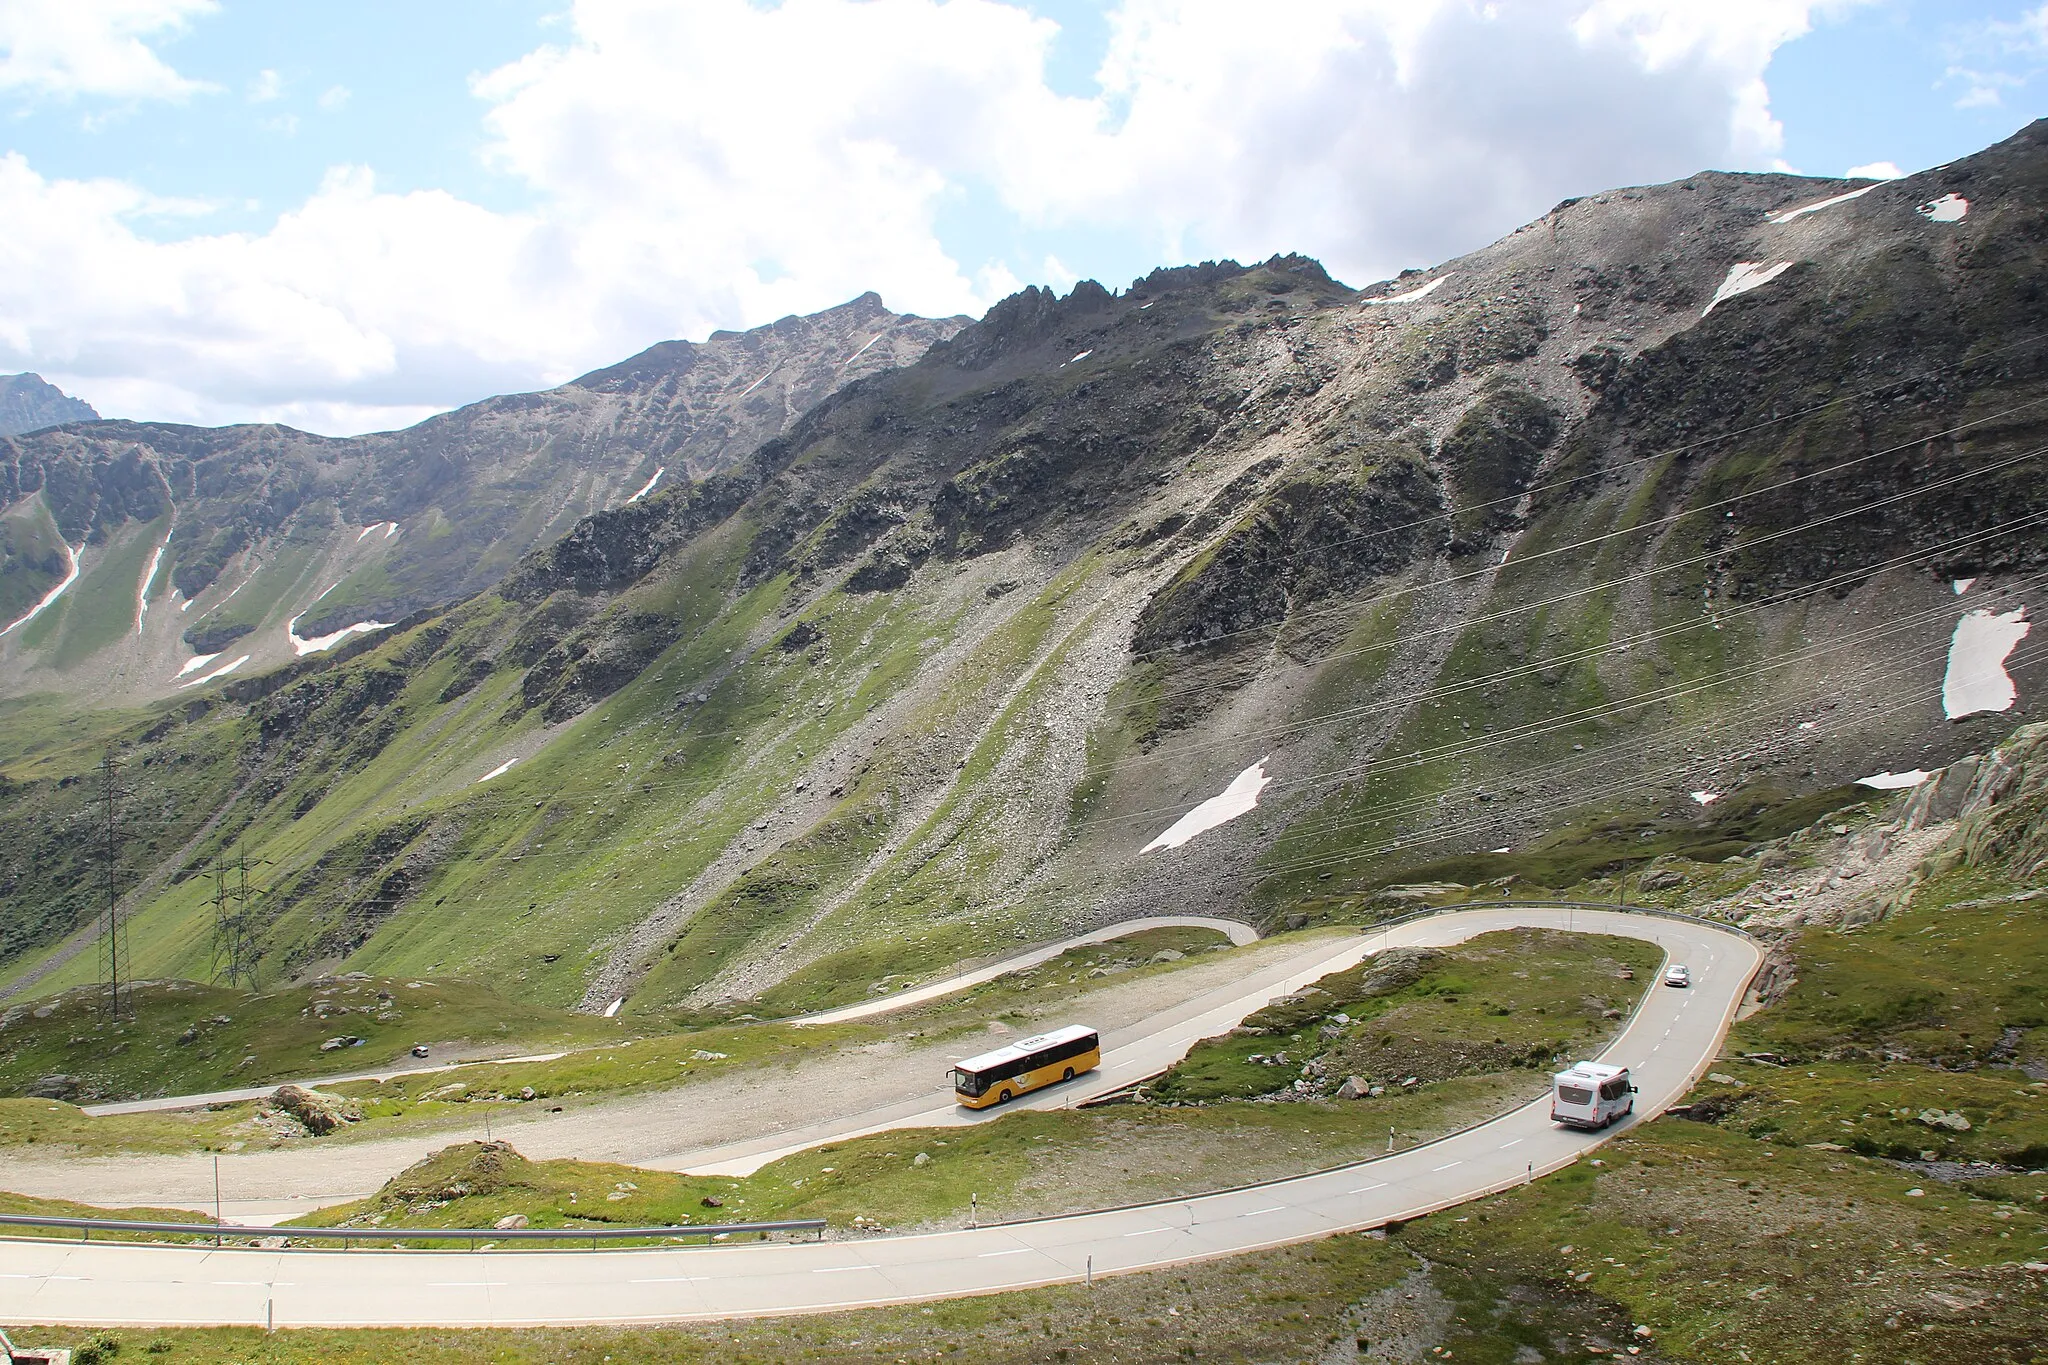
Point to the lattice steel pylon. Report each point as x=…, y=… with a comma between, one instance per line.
x=234, y=938
x=114, y=963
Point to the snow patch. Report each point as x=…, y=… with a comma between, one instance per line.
x=1705, y=798
x=1976, y=679
x=1962, y=585
x=1744, y=276
x=197, y=662
x=861, y=352
x=1083, y=356
x=1805, y=209
x=1240, y=796
x=612, y=1009
x=1420, y=292
x=70, y=577
x=1888, y=782
x=319, y=642
x=498, y=771
x=389, y=528
x=220, y=672
x=649, y=486
x=756, y=384
x=156, y=561
x=1950, y=208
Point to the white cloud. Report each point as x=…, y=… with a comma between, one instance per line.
x=1993, y=57
x=722, y=163
x=267, y=86
x=67, y=48
x=335, y=98
x=1874, y=170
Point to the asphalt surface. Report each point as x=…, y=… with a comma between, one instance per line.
x=1239, y=934
x=1671, y=1038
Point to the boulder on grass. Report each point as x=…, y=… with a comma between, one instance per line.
x=321, y=1114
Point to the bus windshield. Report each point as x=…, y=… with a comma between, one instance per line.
x=968, y=1083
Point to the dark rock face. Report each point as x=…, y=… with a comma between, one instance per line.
x=54, y=1087
x=1492, y=454
x=1307, y=539
x=28, y=403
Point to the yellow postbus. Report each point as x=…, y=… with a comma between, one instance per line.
x=1000, y=1076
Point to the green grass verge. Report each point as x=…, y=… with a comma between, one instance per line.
x=186, y=1038
x=1521, y=998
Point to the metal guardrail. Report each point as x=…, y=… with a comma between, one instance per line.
x=220, y=1231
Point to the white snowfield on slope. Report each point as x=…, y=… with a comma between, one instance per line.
x=1976, y=679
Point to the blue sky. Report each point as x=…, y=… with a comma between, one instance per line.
x=347, y=216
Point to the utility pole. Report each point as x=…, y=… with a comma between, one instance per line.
x=114, y=938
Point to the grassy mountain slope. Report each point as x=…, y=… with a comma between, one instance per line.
x=1549, y=545
x=267, y=533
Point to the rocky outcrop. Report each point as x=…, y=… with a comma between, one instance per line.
x=2000, y=802
x=1309, y=538
x=319, y=1113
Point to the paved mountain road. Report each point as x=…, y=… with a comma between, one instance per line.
x=1671, y=1038
x=1238, y=933
x=655, y=1127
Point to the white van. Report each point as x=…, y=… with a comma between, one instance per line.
x=1591, y=1095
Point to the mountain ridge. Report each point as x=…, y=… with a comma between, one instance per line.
x=332, y=532
x=1559, y=540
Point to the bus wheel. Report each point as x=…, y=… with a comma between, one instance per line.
x=1069, y=1074
x=1002, y=1097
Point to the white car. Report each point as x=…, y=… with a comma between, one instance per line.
x=1678, y=975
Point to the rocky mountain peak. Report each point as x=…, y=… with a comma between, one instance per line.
x=28, y=402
